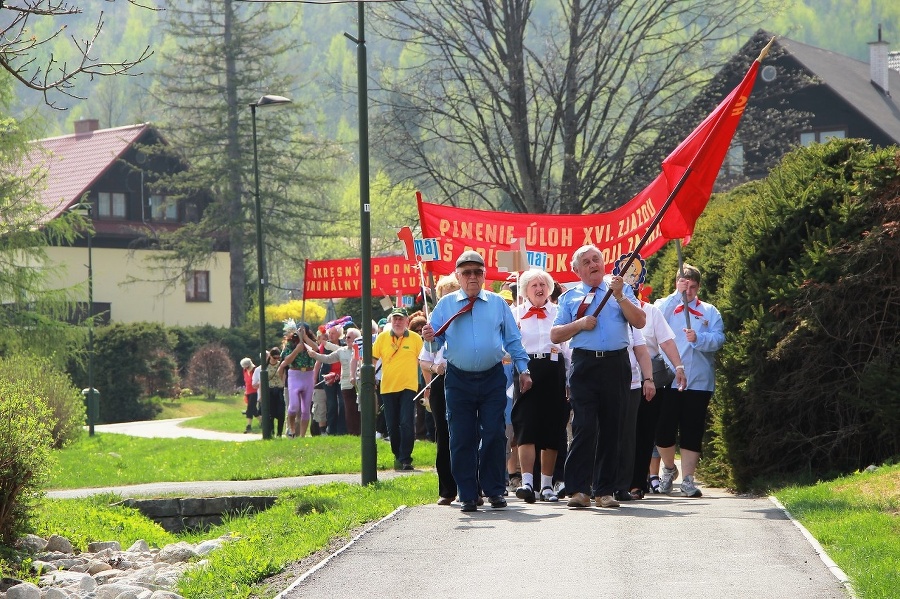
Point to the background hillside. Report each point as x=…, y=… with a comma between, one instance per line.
x=326, y=62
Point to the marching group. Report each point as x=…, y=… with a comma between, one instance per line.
x=549, y=393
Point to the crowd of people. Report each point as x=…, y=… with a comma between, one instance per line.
x=538, y=390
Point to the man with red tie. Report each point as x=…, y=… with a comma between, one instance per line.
x=601, y=373
x=699, y=334
x=476, y=328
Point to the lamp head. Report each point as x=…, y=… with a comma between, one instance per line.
x=269, y=100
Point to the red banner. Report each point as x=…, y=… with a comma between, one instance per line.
x=559, y=235
x=331, y=279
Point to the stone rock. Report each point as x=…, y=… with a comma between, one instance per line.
x=139, y=546
x=31, y=544
x=98, y=546
x=210, y=545
x=55, y=593
x=97, y=567
x=176, y=552
x=7, y=582
x=165, y=595
x=87, y=584
x=37, y=566
x=58, y=543
x=114, y=589
x=25, y=590
x=63, y=578
x=106, y=575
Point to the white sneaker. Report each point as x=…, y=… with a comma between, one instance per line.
x=559, y=489
x=547, y=494
x=689, y=488
x=666, y=478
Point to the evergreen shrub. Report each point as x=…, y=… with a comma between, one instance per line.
x=805, y=268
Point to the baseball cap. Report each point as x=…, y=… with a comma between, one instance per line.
x=506, y=294
x=399, y=312
x=382, y=322
x=469, y=256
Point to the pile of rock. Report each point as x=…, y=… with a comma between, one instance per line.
x=104, y=571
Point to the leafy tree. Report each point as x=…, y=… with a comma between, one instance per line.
x=222, y=57
x=68, y=60
x=538, y=106
x=210, y=369
x=32, y=309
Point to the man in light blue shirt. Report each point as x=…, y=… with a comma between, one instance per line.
x=601, y=373
x=476, y=328
x=699, y=334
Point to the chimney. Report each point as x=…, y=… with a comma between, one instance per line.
x=878, y=63
x=85, y=126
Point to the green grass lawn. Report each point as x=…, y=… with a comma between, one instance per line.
x=856, y=519
x=108, y=459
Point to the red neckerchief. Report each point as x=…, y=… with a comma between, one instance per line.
x=680, y=308
x=535, y=311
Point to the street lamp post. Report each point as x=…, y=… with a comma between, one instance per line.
x=85, y=208
x=263, y=392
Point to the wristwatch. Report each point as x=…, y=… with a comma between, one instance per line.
x=526, y=371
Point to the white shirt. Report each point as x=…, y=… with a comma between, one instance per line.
x=536, y=331
x=637, y=338
x=657, y=330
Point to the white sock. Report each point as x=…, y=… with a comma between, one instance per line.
x=546, y=480
x=528, y=479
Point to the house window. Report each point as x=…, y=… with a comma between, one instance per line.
x=111, y=205
x=161, y=209
x=821, y=136
x=197, y=286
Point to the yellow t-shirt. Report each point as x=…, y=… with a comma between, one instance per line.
x=399, y=360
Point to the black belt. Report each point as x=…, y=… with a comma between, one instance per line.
x=590, y=353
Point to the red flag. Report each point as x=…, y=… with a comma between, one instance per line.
x=703, y=152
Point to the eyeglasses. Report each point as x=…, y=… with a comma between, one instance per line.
x=477, y=272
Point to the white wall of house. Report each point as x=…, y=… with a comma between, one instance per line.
x=133, y=286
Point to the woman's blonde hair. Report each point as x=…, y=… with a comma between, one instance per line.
x=447, y=284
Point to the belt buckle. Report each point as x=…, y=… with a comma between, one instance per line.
x=600, y=354
x=538, y=356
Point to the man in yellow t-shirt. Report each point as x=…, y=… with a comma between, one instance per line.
x=399, y=348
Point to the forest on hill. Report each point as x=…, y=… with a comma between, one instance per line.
x=450, y=87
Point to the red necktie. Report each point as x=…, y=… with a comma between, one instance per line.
x=533, y=311
x=463, y=310
x=585, y=303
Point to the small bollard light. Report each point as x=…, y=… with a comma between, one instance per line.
x=92, y=397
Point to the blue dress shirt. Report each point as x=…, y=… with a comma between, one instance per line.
x=611, y=332
x=477, y=340
x=699, y=358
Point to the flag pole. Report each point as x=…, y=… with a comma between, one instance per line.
x=687, y=312
x=646, y=237
x=675, y=190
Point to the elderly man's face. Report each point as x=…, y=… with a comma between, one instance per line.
x=590, y=268
x=399, y=324
x=334, y=334
x=471, y=277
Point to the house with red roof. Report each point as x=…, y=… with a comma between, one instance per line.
x=115, y=172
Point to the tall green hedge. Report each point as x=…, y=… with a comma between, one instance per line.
x=804, y=268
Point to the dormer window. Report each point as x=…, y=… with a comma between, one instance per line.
x=163, y=209
x=111, y=205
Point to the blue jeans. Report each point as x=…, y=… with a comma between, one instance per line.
x=399, y=416
x=475, y=405
x=334, y=408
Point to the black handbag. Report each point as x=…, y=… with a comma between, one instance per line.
x=662, y=374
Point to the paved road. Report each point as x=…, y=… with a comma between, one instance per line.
x=716, y=546
x=172, y=428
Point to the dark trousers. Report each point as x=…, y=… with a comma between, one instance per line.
x=598, y=387
x=644, y=440
x=627, y=434
x=476, y=402
x=351, y=411
x=334, y=407
x=446, y=482
x=276, y=408
x=399, y=415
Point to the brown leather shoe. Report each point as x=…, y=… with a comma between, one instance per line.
x=445, y=501
x=607, y=501
x=579, y=500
